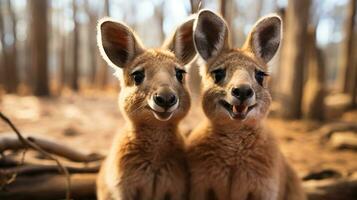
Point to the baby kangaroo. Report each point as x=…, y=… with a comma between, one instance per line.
x=147, y=159
x=232, y=156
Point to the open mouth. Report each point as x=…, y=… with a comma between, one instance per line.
x=160, y=113
x=162, y=116
x=237, y=111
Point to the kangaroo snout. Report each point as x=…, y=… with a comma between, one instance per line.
x=165, y=98
x=163, y=103
x=242, y=92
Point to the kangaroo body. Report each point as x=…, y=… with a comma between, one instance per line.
x=145, y=163
x=232, y=155
x=147, y=159
x=239, y=164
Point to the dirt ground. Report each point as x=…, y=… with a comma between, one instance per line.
x=89, y=122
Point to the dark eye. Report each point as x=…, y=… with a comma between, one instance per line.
x=138, y=77
x=218, y=75
x=179, y=74
x=259, y=76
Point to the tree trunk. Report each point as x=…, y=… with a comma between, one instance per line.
x=75, y=67
x=354, y=82
x=226, y=9
x=62, y=62
x=291, y=79
x=159, y=13
x=38, y=46
x=92, y=40
x=3, y=54
x=259, y=9
x=195, y=5
x=10, y=77
x=314, y=90
x=102, y=75
x=62, y=51
x=12, y=68
x=194, y=78
x=346, y=70
x=274, y=82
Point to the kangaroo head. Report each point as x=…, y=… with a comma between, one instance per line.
x=234, y=85
x=152, y=80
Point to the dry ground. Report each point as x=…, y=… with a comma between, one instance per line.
x=89, y=122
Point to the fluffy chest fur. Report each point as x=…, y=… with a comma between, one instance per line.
x=150, y=153
x=147, y=167
x=232, y=164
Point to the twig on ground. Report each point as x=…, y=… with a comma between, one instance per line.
x=32, y=144
x=8, y=142
x=41, y=169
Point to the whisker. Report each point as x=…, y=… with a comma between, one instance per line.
x=137, y=108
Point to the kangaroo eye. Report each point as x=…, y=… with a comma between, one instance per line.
x=218, y=75
x=259, y=76
x=179, y=74
x=138, y=77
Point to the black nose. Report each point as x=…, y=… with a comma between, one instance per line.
x=165, y=99
x=242, y=92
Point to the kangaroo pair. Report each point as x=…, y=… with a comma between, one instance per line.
x=229, y=156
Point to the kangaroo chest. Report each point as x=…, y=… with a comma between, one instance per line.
x=152, y=170
x=232, y=168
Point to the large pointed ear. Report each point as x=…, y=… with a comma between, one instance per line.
x=117, y=42
x=181, y=42
x=211, y=34
x=264, y=40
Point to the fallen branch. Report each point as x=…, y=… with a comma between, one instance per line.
x=50, y=186
x=33, y=145
x=42, y=169
x=8, y=142
x=328, y=130
x=331, y=189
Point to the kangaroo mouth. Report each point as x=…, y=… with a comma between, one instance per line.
x=162, y=116
x=239, y=112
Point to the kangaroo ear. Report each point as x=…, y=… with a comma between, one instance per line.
x=117, y=42
x=210, y=34
x=264, y=40
x=181, y=43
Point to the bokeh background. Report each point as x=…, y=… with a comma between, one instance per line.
x=54, y=84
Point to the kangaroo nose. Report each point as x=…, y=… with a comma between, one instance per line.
x=242, y=92
x=165, y=99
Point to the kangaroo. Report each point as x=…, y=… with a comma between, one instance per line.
x=147, y=159
x=232, y=155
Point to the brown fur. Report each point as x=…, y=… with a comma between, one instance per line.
x=237, y=159
x=147, y=159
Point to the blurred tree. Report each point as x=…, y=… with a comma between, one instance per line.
x=346, y=76
x=75, y=73
x=354, y=86
x=2, y=43
x=291, y=78
x=62, y=51
x=102, y=74
x=194, y=78
x=226, y=9
x=314, y=89
x=277, y=72
x=12, y=74
x=9, y=50
x=38, y=39
x=159, y=14
x=259, y=7
x=194, y=5
x=62, y=48
x=92, y=40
